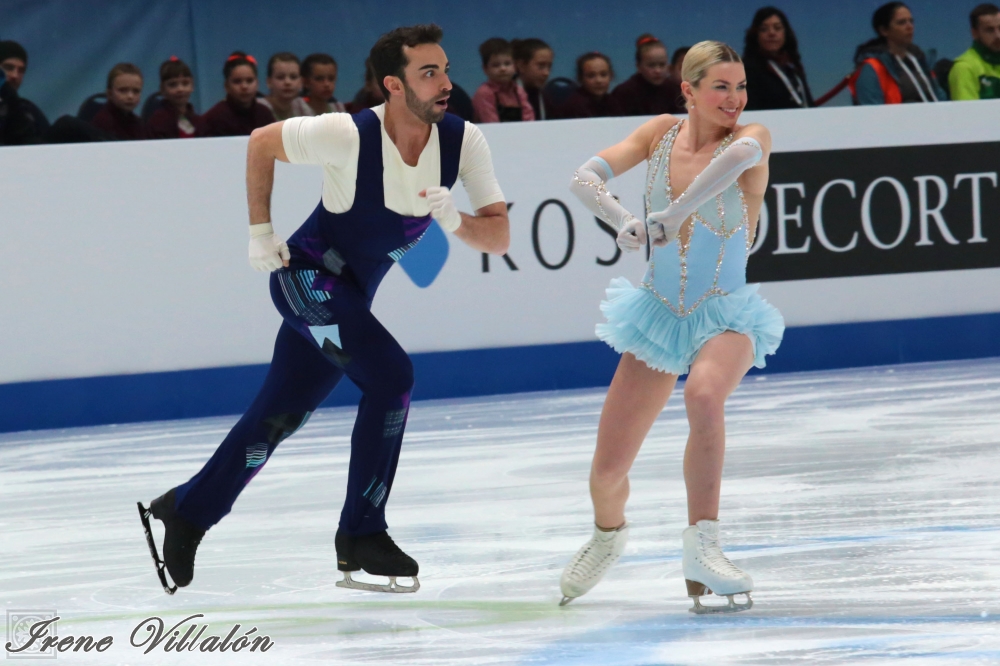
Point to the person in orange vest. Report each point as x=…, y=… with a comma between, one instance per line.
x=891, y=68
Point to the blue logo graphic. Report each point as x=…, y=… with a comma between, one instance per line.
x=425, y=260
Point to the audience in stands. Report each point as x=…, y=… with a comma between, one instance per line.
x=28, y=124
x=284, y=87
x=976, y=73
x=891, y=68
x=175, y=117
x=239, y=114
x=319, y=78
x=775, y=77
x=591, y=100
x=370, y=94
x=650, y=91
x=533, y=61
x=500, y=99
x=677, y=63
x=117, y=116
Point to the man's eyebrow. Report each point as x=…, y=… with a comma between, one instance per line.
x=433, y=66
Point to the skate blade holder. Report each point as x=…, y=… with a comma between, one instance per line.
x=392, y=586
x=161, y=567
x=697, y=590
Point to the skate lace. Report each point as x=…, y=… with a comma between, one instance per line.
x=715, y=559
x=590, y=560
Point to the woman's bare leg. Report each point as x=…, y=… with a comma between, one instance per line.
x=636, y=397
x=715, y=374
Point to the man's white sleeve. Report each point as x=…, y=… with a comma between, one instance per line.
x=331, y=138
x=475, y=168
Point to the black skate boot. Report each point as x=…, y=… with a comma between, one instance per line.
x=378, y=555
x=180, y=541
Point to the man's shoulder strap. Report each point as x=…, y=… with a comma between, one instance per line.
x=451, y=131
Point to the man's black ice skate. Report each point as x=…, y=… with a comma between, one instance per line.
x=378, y=555
x=180, y=542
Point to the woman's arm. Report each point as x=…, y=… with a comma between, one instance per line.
x=638, y=146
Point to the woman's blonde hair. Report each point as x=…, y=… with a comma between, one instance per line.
x=702, y=56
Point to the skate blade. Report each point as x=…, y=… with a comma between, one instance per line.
x=566, y=600
x=161, y=567
x=731, y=607
x=392, y=587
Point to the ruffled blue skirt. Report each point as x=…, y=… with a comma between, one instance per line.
x=638, y=323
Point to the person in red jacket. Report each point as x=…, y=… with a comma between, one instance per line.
x=116, y=117
x=591, y=100
x=175, y=118
x=239, y=114
x=650, y=91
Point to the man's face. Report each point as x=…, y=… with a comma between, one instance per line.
x=426, y=86
x=14, y=69
x=987, y=33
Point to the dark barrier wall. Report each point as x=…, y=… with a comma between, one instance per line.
x=73, y=44
x=872, y=211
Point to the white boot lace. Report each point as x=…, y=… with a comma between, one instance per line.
x=591, y=559
x=715, y=559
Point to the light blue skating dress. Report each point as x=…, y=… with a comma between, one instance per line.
x=695, y=287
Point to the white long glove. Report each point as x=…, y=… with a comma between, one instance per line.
x=722, y=172
x=267, y=251
x=588, y=185
x=632, y=235
x=443, y=209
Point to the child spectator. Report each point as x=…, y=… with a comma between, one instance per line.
x=370, y=94
x=284, y=85
x=533, y=61
x=650, y=91
x=319, y=75
x=976, y=73
x=31, y=123
x=775, y=77
x=677, y=63
x=116, y=117
x=175, y=117
x=500, y=99
x=238, y=114
x=591, y=100
x=891, y=69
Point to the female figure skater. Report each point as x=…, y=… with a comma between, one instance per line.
x=693, y=312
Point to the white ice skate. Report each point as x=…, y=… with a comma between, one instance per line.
x=591, y=562
x=708, y=570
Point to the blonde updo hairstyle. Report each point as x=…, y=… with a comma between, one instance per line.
x=701, y=57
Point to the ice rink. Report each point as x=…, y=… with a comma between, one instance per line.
x=864, y=503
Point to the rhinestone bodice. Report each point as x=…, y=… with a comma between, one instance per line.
x=709, y=257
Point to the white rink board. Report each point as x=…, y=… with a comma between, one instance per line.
x=131, y=257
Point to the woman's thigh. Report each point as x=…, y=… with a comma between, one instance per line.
x=636, y=397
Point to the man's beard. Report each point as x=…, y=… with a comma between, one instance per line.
x=428, y=112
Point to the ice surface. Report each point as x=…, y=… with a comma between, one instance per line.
x=864, y=504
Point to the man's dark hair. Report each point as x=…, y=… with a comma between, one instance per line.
x=494, y=46
x=751, y=44
x=986, y=9
x=387, y=55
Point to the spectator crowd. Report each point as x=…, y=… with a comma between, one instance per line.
x=888, y=69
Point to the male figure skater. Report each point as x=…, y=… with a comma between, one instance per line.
x=387, y=172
